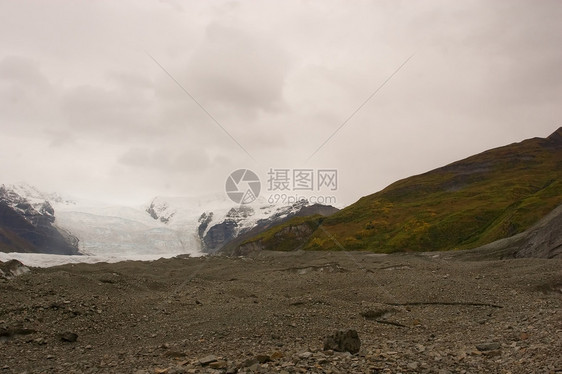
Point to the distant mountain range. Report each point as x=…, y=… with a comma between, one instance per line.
x=34, y=222
x=222, y=223
x=493, y=195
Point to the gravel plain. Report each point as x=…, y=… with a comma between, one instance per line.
x=269, y=313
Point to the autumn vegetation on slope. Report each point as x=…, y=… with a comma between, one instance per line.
x=489, y=196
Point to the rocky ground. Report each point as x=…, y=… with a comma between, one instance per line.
x=414, y=313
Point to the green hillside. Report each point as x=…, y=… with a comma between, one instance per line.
x=492, y=195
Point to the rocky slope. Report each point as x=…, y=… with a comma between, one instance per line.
x=543, y=240
x=469, y=203
x=27, y=225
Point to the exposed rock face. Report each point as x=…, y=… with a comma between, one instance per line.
x=204, y=221
x=221, y=233
x=28, y=227
x=545, y=239
x=160, y=211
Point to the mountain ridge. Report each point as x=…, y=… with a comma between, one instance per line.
x=465, y=204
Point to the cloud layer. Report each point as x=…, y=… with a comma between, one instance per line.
x=85, y=111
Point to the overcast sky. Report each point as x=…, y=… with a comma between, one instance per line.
x=86, y=112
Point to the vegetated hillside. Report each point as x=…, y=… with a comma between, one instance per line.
x=483, y=198
x=287, y=240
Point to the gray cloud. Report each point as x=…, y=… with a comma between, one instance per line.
x=26, y=96
x=237, y=69
x=83, y=110
x=167, y=161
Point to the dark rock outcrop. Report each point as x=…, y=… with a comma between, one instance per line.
x=26, y=227
x=223, y=232
x=159, y=211
x=204, y=221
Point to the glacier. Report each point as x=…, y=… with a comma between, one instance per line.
x=163, y=228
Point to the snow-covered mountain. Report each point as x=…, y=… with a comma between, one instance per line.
x=63, y=226
x=218, y=220
x=27, y=224
x=165, y=227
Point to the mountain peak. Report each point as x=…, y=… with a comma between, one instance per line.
x=556, y=137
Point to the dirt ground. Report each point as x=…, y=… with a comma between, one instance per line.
x=414, y=313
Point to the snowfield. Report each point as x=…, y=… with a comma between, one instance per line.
x=44, y=260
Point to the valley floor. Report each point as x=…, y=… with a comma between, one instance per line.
x=427, y=313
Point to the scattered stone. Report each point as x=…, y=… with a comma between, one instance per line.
x=177, y=370
x=343, y=341
x=277, y=355
x=262, y=359
x=521, y=338
x=305, y=355
x=248, y=363
x=174, y=354
x=68, y=337
x=413, y=365
x=218, y=364
x=375, y=314
x=8, y=333
x=489, y=346
x=208, y=359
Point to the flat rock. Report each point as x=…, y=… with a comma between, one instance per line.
x=208, y=359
